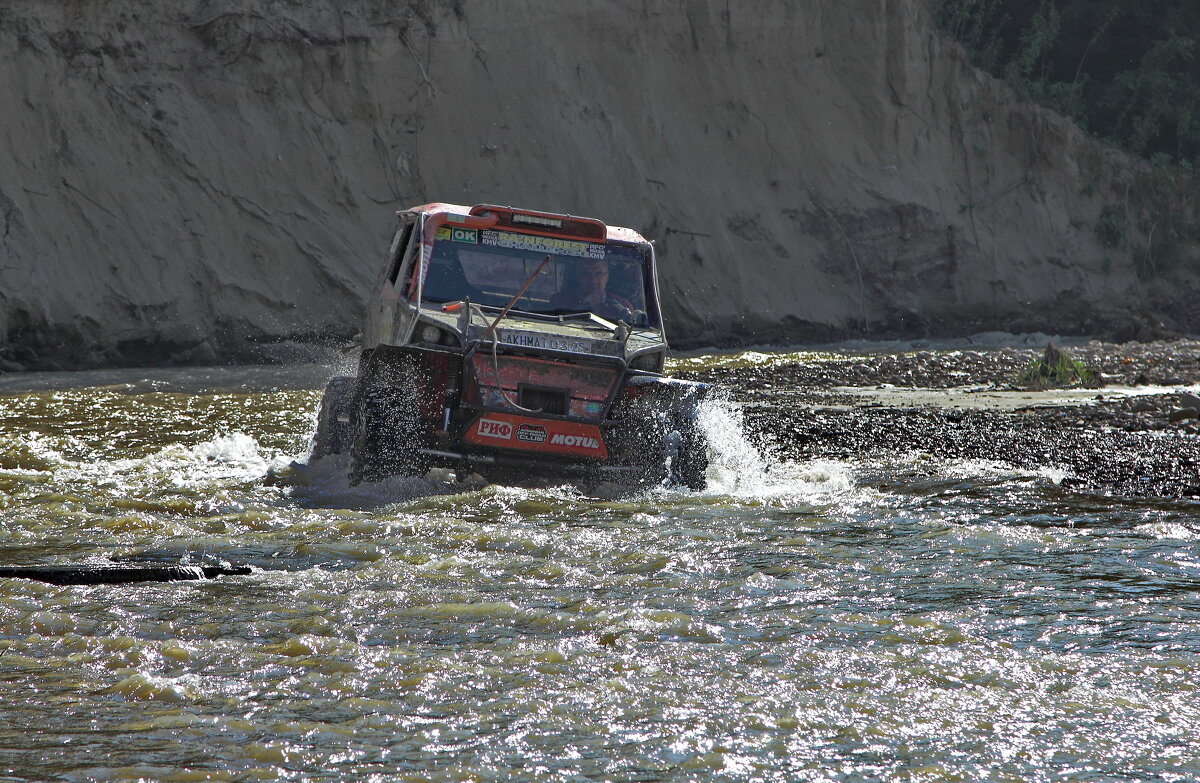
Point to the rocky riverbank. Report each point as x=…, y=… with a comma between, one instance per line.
x=1137, y=434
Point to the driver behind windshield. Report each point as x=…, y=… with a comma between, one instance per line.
x=586, y=288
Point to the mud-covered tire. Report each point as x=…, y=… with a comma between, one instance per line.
x=335, y=422
x=387, y=432
x=690, y=466
x=642, y=444
x=667, y=447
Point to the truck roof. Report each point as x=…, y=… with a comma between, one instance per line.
x=614, y=233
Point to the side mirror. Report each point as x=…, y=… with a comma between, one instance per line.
x=464, y=319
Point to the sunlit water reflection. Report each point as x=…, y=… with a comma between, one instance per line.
x=902, y=620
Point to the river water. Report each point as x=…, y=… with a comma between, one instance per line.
x=908, y=619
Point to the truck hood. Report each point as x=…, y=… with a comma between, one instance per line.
x=575, y=336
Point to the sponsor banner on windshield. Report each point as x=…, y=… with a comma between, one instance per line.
x=562, y=247
x=505, y=430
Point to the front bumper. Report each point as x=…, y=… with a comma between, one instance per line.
x=526, y=463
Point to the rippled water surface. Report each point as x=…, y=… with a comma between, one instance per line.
x=918, y=620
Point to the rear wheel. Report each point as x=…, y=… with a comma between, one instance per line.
x=335, y=427
x=387, y=434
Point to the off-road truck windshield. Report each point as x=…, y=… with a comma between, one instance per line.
x=581, y=277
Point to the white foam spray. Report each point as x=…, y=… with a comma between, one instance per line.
x=741, y=468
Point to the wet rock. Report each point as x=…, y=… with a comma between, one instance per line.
x=1143, y=327
x=16, y=358
x=203, y=353
x=1183, y=414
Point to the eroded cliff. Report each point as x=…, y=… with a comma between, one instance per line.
x=187, y=179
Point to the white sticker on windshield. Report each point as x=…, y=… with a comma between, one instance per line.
x=562, y=247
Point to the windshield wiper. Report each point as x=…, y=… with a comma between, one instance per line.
x=515, y=297
x=607, y=324
x=600, y=321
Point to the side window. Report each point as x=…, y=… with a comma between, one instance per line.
x=625, y=280
x=400, y=248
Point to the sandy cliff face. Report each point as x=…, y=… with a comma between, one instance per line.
x=189, y=177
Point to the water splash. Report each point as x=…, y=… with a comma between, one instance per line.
x=30, y=452
x=325, y=483
x=745, y=469
x=228, y=456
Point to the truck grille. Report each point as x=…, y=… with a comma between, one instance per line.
x=552, y=401
x=554, y=387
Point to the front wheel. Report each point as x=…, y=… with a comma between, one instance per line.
x=387, y=438
x=690, y=466
x=667, y=446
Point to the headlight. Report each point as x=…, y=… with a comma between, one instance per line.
x=650, y=362
x=436, y=336
x=431, y=334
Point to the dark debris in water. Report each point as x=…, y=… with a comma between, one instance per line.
x=118, y=573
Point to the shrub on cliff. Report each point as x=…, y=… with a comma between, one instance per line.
x=1125, y=70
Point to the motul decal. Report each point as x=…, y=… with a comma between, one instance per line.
x=490, y=428
x=532, y=433
x=578, y=441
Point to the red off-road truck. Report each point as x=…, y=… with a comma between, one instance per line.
x=513, y=343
